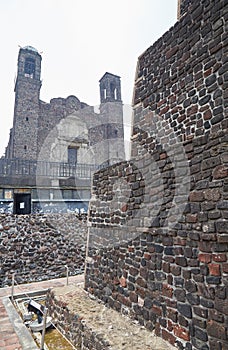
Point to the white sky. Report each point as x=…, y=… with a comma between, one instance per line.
x=80, y=41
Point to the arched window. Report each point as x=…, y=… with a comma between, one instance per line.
x=72, y=155
x=29, y=67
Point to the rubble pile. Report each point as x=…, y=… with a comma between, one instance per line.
x=39, y=247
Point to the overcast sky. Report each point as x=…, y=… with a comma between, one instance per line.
x=80, y=40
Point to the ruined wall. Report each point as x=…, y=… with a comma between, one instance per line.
x=159, y=222
x=37, y=247
x=72, y=324
x=89, y=325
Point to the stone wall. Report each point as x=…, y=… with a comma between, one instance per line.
x=72, y=324
x=184, y=6
x=37, y=247
x=159, y=222
x=88, y=324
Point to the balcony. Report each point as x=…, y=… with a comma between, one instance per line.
x=54, y=170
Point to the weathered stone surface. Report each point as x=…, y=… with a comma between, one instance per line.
x=216, y=330
x=184, y=310
x=41, y=246
x=179, y=100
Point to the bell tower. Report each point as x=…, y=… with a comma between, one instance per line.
x=26, y=108
x=111, y=110
x=110, y=88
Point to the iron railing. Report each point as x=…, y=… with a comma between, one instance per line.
x=22, y=167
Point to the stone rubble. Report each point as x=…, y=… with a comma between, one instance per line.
x=39, y=247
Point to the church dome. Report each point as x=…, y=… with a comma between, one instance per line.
x=30, y=48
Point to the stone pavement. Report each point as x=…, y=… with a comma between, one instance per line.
x=8, y=336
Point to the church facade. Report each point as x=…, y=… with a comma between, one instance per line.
x=54, y=148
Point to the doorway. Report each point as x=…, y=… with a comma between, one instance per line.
x=22, y=203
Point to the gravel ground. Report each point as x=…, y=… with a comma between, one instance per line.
x=121, y=332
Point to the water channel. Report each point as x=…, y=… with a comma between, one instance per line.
x=53, y=340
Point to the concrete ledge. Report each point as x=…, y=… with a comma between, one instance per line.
x=24, y=335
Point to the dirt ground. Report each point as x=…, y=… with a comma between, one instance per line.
x=121, y=332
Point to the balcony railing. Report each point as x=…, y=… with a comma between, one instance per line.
x=21, y=167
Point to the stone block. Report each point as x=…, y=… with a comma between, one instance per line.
x=180, y=260
x=216, y=316
x=184, y=310
x=193, y=299
x=198, y=322
x=180, y=294
x=206, y=303
x=222, y=226
x=216, y=330
x=199, y=311
x=205, y=258
x=225, y=268
x=213, y=280
x=167, y=290
x=172, y=314
x=168, y=336
x=220, y=172
x=212, y=194
x=214, y=269
x=181, y=332
x=190, y=286
x=175, y=270
x=221, y=305
x=201, y=334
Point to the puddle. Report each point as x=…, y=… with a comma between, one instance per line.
x=54, y=340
